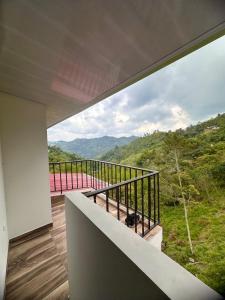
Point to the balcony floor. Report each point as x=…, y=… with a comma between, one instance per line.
x=37, y=264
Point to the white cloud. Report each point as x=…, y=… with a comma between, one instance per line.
x=190, y=90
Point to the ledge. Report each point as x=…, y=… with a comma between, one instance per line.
x=173, y=280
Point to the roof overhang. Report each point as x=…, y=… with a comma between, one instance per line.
x=72, y=54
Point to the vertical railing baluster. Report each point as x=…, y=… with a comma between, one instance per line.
x=120, y=175
x=81, y=169
x=158, y=195
x=86, y=185
x=130, y=189
x=102, y=166
x=93, y=182
x=101, y=183
x=135, y=204
x=50, y=170
x=126, y=201
x=76, y=173
x=88, y=173
x=142, y=208
x=118, y=203
x=136, y=174
x=92, y=174
x=54, y=177
x=66, y=176
x=119, y=180
x=71, y=169
x=60, y=176
x=108, y=174
x=154, y=190
x=116, y=173
x=112, y=181
x=104, y=176
x=96, y=186
x=107, y=200
x=98, y=175
x=149, y=202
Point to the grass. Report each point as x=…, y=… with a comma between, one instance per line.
x=207, y=225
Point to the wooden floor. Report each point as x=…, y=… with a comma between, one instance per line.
x=37, y=264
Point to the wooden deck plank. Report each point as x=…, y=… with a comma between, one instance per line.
x=37, y=265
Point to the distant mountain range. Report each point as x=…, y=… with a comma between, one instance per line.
x=93, y=148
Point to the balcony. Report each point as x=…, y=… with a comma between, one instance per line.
x=65, y=62
x=130, y=194
x=118, y=189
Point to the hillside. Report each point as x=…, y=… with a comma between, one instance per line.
x=200, y=153
x=55, y=154
x=211, y=131
x=92, y=148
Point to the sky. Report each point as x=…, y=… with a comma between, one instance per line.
x=185, y=92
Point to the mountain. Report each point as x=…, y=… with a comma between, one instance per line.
x=205, y=134
x=92, y=148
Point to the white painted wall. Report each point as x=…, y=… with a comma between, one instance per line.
x=25, y=164
x=3, y=232
x=156, y=239
x=107, y=261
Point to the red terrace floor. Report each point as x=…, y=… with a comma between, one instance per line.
x=72, y=181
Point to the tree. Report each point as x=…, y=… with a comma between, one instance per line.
x=175, y=144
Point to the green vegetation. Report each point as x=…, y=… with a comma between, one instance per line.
x=192, y=180
x=55, y=154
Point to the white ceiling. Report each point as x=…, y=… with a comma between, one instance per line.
x=70, y=54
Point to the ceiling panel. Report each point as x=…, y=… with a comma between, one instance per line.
x=71, y=54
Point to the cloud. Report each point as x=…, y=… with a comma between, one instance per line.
x=189, y=90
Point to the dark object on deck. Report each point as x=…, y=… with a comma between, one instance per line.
x=130, y=220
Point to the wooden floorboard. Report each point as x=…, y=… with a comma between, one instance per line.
x=37, y=265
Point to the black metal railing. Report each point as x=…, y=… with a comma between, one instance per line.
x=134, y=192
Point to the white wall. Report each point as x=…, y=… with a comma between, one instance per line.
x=3, y=232
x=108, y=261
x=25, y=164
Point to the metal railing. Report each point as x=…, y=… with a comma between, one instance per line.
x=132, y=191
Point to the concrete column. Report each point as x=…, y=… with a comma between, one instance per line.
x=25, y=164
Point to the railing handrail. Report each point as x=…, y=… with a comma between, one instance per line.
x=122, y=183
x=68, y=161
x=104, y=162
x=115, y=181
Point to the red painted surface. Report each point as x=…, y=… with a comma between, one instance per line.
x=73, y=181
